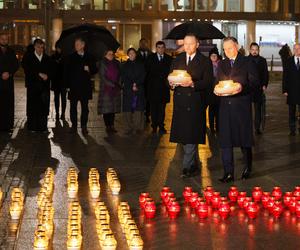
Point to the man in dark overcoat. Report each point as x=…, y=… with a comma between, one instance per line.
x=291, y=87
x=189, y=117
x=258, y=94
x=158, y=90
x=79, y=68
x=38, y=69
x=8, y=67
x=235, y=116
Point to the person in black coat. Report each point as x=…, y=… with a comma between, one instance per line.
x=258, y=94
x=235, y=115
x=8, y=67
x=38, y=69
x=132, y=78
x=79, y=68
x=189, y=117
x=158, y=90
x=57, y=84
x=291, y=87
x=143, y=53
x=212, y=100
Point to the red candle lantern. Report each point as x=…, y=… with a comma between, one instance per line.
x=198, y=201
x=233, y=193
x=224, y=209
x=187, y=192
x=241, y=198
x=277, y=193
x=296, y=192
x=270, y=204
x=277, y=209
x=208, y=194
x=172, y=199
x=252, y=210
x=215, y=200
x=287, y=198
x=193, y=199
x=150, y=208
x=297, y=209
x=257, y=193
x=164, y=192
x=202, y=210
x=174, y=210
x=292, y=204
x=168, y=197
x=246, y=202
x=142, y=199
x=265, y=198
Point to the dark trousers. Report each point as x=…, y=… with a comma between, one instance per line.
x=257, y=114
x=228, y=161
x=190, y=156
x=60, y=96
x=213, y=116
x=293, y=117
x=157, y=111
x=84, y=112
x=109, y=119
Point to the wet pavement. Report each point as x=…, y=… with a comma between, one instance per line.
x=147, y=162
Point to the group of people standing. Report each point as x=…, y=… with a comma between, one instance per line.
x=139, y=88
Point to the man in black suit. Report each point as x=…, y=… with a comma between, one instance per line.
x=235, y=116
x=258, y=94
x=189, y=116
x=79, y=68
x=158, y=90
x=8, y=67
x=38, y=69
x=143, y=53
x=291, y=87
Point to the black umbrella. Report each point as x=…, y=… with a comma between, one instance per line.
x=203, y=31
x=97, y=38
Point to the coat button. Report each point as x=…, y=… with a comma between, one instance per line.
x=229, y=102
x=188, y=109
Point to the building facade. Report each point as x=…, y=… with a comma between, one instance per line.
x=129, y=20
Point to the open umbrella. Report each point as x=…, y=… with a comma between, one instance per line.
x=97, y=38
x=203, y=31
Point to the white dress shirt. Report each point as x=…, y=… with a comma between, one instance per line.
x=189, y=56
x=39, y=57
x=296, y=59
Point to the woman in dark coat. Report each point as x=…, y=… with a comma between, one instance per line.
x=57, y=84
x=38, y=68
x=133, y=74
x=109, y=101
x=8, y=67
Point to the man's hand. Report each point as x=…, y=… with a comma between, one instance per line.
x=187, y=84
x=43, y=76
x=5, y=76
x=285, y=93
x=134, y=87
x=86, y=68
x=264, y=88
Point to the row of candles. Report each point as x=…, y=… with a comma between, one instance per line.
x=129, y=227
x=104, y=232
x=275, y=202
x=44, y=231
x=113, y=181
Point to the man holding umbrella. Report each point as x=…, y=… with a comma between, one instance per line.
x=189, y=118
x=79, y=68
x=235, y=115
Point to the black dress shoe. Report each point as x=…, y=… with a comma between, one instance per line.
x=227, y=178
x=185, y=173
x=246, y=174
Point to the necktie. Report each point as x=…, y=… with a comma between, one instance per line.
x=298, y=63
x=231, y=62
x=189, y=61
x=160, y=58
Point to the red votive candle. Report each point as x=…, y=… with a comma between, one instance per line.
x=187, y=192
x=257, y=193
x=265, y=198
x=202, y=210
x=215, y=200
x=277, y=209
x=142, y=199
x=241, y=198
x=233, y=193
x=174, y=210
x=277, y=193
x=164, y=192
x=208, y=194
x=150, y=208
x=252, y=210
x=224, y=209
